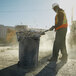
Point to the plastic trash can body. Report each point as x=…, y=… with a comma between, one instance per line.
x=28, y=52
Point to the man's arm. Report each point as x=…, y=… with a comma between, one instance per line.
x=60, y=21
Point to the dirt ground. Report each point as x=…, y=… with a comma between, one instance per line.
x=9, y=58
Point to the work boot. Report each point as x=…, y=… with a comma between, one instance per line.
x=65, y=58
x=52, y=59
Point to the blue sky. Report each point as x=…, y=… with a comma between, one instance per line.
x=34, y=13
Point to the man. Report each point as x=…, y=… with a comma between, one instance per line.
x=61, y=30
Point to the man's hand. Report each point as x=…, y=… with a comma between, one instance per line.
x=43, y=33
x=52, y=28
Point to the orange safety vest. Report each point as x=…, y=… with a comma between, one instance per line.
x=64, y=24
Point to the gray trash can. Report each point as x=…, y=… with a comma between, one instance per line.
x=28, y=51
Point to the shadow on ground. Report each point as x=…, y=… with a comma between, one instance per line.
x=51, y=69
x=13, y=70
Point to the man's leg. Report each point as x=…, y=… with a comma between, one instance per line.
x=64, y=52
x=55, y=51
x=63, y=45
x=56, y=47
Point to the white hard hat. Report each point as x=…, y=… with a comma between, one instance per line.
x=55, y=4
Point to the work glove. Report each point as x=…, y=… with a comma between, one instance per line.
x=43, y=33
x=52, y=28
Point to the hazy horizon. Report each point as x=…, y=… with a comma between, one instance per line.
x=34, y=13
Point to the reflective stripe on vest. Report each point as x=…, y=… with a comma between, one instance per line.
x=64, y=24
